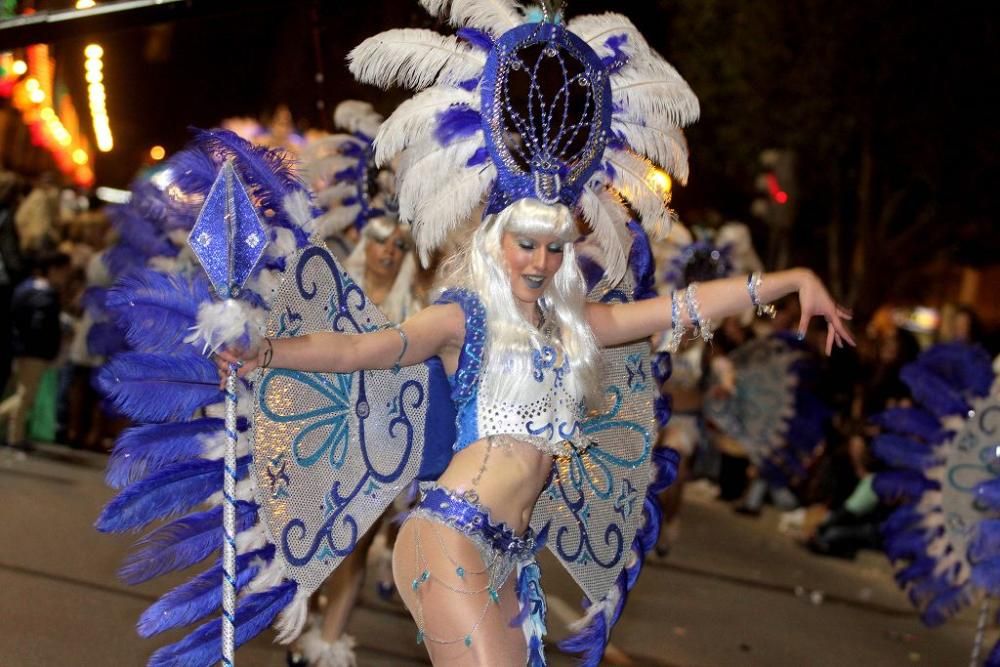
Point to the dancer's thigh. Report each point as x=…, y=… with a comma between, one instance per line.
x=450, y=615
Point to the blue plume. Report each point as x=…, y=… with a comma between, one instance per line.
x=182, y=543
x=945, y=605
x=590, y=642
x=913, y=422
x=665, y=461
x=168, y=492
x=196, y=599
x=121, y=258
x=202, y=647
x=963, y=366
x=985, y=543
x=988, y=493
x=138, y=232
x=478, y=38
x=904, y=518
x=155, y=309
x=908, y=545
x=986, y=575
x=193, y=171
x=893, y=485
x=267, y=174
x=144, y=449
x=92, y=298
x=932, y=391
x=901, y=452
x=157, y=388
x=457, y=122
x=920, y=567
x=105, y=339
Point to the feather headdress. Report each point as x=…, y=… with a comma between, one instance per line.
x=519, y=104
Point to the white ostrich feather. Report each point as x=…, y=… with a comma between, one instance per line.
x=438, y=215
x=665, y=145
x=213, y=446
x=606, y=216
x=335, y=220
x=293, y=617
x=495, y=16
x=595, y=29
x=429, y=169
x=266, y=284
x=283, y=244
x=652, y=88
x=333, y=195
x=330, y=144
x=414, y=58
x=219, y=323
x=251, y=539
x=634, y=180
x=416, y=118
x=357, y=116
x=324, y=169
x=298, y=208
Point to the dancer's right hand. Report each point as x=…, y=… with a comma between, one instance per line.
x=246, y=361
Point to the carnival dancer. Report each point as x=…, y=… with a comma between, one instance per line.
x=514, y=331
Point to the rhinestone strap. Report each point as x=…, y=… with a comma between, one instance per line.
x=702, y=327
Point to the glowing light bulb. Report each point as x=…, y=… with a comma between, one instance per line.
x=93, y=51
x=157, y=152
x=19, y=67
x=80, y=157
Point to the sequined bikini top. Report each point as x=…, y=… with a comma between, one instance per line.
x=548, y=411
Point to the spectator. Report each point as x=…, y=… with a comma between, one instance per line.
x=37, y=334
x=11, y=265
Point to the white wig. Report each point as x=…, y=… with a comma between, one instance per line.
x=511, y=339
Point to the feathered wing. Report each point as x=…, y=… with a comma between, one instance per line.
x=414, y=58
x=495, y=16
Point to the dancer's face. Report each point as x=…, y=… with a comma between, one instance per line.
x=383, y=258
x=532, y=260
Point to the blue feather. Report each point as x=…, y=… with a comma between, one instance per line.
x=988, y=493
x=908, y=545
x=933, y=392
x=945, y=605
x=589, y=642
x=917, y=569
x=478, y=38
x=267, y=174
x=193, y=171
x=986, y=575
x=894, y=485
x=156, y=310
x=137, y=231
x=913, y=422
x=202, y=647
x=121, y=258
x=182, y=543
x=158, y=388
x=457, y=122
x=167, y=492
x=993, y=659
x=92, y=298
x=105, y=339
x=901, y=452
x=144, y=449
x=968, y=368
x=196, y=599
x=904, y=518
x=985, y=544
x=665, y=461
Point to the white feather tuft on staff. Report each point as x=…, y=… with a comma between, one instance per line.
x=653, y=89
x=414, y=58
x=495, y=16
x=638, y=181
x=416, y=118
x=663, y=144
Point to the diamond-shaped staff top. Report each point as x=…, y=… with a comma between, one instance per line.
x=228, y=237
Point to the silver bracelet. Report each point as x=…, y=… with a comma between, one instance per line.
x=701, y=327
x=676, y=325
x=753, y=288
x=406, y=344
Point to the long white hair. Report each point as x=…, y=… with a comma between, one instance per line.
x=479, y=265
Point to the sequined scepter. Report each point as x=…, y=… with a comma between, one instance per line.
x=228, y=239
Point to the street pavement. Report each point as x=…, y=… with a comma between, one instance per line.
x=734, y=591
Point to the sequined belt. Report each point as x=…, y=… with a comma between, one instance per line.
x=474, y=520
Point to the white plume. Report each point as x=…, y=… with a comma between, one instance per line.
x=336, y=193
x=297, y=206
x=330, y=144
x=634, y=180
x=595, y=29
x=293, y=617
x=438, y=215
x=324, y=169
x=416, y=118
x=219, y=323
x=663, y=144
x=357, y=116
x=414, y=58
x=495, y=16
x=251, y=539
x=651, y=87
x=282, y=244
x=335, y=220
x=607, y=217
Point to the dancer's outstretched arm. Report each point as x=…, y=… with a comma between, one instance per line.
x=426, y=334
x=718, y=299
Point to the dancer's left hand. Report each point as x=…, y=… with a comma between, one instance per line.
x=814, y=299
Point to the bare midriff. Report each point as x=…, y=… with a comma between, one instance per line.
x=509, y=482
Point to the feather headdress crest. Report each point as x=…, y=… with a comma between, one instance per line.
x=520, y=104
